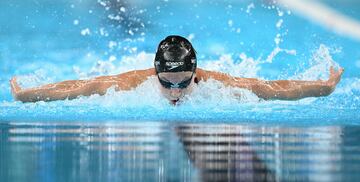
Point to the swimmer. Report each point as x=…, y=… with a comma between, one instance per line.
x=175, y=67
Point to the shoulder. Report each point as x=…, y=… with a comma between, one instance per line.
x=133, y=78
x=205, y=75
x=138, y=73
x=145, y=72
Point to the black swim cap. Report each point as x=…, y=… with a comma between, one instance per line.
x=175, y=54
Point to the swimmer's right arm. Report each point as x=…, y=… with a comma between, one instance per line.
x=73, y=88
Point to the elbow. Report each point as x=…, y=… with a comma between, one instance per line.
x=21, y=97
x=16, y=97
x=326, y=90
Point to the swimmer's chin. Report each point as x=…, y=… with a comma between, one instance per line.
x=172, y=98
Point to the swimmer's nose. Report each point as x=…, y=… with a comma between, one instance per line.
x=175, y=92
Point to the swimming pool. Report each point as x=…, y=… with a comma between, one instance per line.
x=120, y=136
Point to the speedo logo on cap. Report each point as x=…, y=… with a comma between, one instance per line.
x=173, y=65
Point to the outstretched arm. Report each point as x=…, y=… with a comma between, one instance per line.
x=279, y=89
x=74, y=88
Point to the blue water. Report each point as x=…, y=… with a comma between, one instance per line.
x=48, y=41
x=159, y=151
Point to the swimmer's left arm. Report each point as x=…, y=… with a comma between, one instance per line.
x=279, y=89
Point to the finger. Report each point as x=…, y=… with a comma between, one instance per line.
x=332, y=71
x=341, y=71
x=12, y=81
x=14, y=85
x=338, y=75
x=335, y=77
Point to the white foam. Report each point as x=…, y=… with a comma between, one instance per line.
x=39, y=77
x=76, y=22
x=112, y=66
x=122, y=9
x=212, y=91
x=279, y=23
x=103, y=32
x=148, y=92
x=247, y=67
x=85, y=31
x=230, y=23
x=205, y=94
x=320, y=64
x=349, y=86
x=250, y=7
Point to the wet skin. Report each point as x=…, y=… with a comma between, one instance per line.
x=277, y=89
x=174, y=94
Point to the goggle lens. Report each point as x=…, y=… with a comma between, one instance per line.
x=180, y=85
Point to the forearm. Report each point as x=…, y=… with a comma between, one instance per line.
x=60, y=91
x=34, y=95
x=291, y=89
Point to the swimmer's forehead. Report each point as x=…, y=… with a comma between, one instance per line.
x=177, y=76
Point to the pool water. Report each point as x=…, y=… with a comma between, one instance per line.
x=160, y=151
x=211, y=135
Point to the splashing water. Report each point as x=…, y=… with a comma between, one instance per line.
x=209, y=100
x=320, y=64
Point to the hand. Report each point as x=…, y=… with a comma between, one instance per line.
x=15, y=88
x=334, y=77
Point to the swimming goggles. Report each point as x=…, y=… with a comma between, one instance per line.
x=180, y=85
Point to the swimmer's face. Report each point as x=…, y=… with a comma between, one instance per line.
x=175, y=48
x=177, y=79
